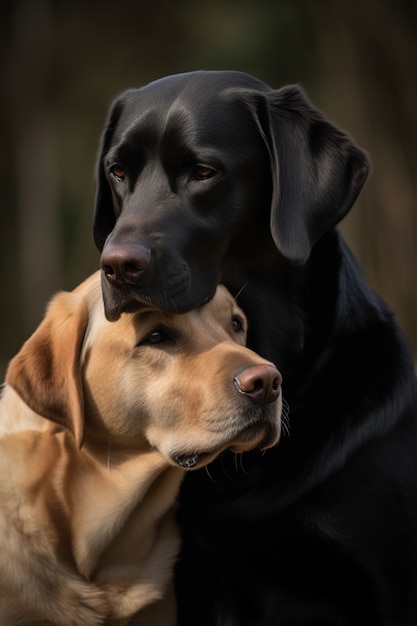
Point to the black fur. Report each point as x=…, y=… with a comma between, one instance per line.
x=321, y=530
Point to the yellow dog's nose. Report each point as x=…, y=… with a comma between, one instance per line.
x=262, y=383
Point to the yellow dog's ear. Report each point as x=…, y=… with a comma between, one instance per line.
x=46, y=373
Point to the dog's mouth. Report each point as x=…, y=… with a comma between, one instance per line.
x=188, y=460
x=130, y=299
x=118, y=300
x=252, y=436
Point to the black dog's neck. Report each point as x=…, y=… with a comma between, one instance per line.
x=300, y=309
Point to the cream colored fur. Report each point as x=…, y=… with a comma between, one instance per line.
x=91, y=416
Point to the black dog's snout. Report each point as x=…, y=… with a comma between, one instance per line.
x=261, y=383
x=124, y=264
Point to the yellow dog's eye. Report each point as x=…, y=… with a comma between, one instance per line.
x=118, y=172
x=237, y=323
x=154, y=337
x=163, y=336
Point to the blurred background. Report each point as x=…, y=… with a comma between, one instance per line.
x=62, y=62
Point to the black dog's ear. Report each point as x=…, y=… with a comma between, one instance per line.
x=104, y=217
x=317, y=170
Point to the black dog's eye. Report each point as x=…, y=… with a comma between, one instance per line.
x=118, y=172
x=237, y=324
x=203, y=172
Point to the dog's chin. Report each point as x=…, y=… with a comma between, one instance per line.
x=125, y=299
x=118, y=300
x=249, y=438
x=256, y=437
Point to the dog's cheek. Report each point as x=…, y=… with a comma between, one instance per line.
x=175, y=405
x=111, y=406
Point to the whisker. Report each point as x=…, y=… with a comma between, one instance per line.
x=225, y=472
x=285, y=421
x=208, y=474
x=108, y=456
x=169, y=300
x=241, y=464
x=235, y=463
x=240, y=291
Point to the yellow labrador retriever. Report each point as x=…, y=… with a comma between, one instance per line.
x=98, y=423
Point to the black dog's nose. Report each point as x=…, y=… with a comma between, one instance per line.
x=262, y=383
x=124, y=264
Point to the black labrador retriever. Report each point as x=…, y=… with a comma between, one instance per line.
x=214, y=176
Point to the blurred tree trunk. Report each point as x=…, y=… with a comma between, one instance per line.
x=366, y=76
x=37, y=177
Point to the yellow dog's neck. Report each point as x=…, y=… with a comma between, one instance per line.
x=120, y=502
x=103, y=526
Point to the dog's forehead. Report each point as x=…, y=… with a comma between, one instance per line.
x=216, y=315
x=219, y=310
x=222, y=303
x=199, y=87
x=192, y=96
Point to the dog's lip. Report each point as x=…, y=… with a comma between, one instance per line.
x=123, y=301
x=252, y=436
x=260, y=436
x=127, y=299
x=189, y=460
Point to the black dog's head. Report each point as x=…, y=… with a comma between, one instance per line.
x=207, y=170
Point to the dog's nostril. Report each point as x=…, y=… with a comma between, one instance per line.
x=131, y=268
x=108, y=270
x=124, y=264
x=261, y=383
